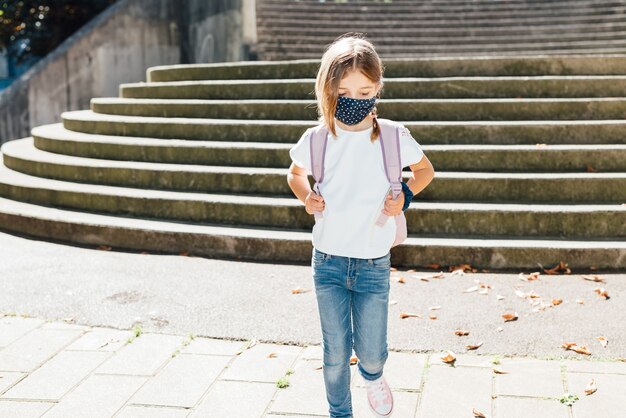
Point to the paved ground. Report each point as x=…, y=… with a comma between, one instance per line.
x=82, y=364
x=55, y=369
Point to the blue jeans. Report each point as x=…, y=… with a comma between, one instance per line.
x=352, y=293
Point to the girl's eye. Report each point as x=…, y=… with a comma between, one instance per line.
x=362, y=94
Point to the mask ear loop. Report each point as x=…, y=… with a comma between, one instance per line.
x=374, y=110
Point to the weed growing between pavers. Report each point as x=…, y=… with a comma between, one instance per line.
x=568, y=399
x=282, y=382
x=136, y=333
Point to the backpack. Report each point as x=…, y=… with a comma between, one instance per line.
x=389, y=139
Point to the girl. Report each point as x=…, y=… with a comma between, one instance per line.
x=351, y=254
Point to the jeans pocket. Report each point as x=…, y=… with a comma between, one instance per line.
x=319, y=258
x=383, y=262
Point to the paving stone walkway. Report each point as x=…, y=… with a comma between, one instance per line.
x=52, y=368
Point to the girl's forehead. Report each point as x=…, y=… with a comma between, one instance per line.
x=355, y=79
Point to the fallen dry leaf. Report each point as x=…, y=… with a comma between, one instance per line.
x=184, y=253
x=593, y=278
x=104, y=247
x=463, y=268
x=557, y=301
x=474, y=347
x=249, y=344
x=477, y=413
x=434, y=308
x=590, y=169
x=432, y=316
x=354, y=360
x=530, y=277
x=392, y=302
x=496, y=371
x=439, y=275
x=603, y=341
x=509, y=316
x=272, y=355
x=393, y=269
x=299, y=290
x=591, y=387
x=582, y=302
x=450, y=357
x=602, y=292
x=461, y=332
x=581, y=350
x=561, y=267
x=404, y=315
x=499, y=297
x=401, y=280
x=434, y=266
x=411, y=271
x=574, y=347
x=471, y=289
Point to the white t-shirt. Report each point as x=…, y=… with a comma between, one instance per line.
x=354, y=190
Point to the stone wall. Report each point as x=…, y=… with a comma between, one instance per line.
x=117, y=47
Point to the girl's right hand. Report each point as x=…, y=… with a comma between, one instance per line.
x=313, y=203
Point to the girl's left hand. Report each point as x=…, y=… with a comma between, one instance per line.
x=393, y=207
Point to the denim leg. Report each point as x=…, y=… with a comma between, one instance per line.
x=370, y=312
x=334, y=300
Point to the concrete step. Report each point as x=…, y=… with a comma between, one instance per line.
x=598, y=188
x=271, y=245
x=463, y=220
x=396, y=109
x=284, y=56
x=487, y=158
x=493, y=45
x=481, y=66
x=185, y=128
x=532, y=132
x=385, y=21
x=273, y=39
x=370, y=6
x=395, y=88
x=566, y=30
x=405, y=14
x=263, y=6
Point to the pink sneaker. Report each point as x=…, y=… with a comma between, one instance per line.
x=379, y=397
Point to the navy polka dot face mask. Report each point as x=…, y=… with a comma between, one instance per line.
x=352, y=111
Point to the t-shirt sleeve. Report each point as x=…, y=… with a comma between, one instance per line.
x=301, y=152
x=410, y=150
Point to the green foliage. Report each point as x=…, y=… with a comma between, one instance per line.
x=568, y=399
x=33, y=28
x=282, y=382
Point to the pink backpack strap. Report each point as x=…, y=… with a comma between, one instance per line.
x=390, y=144
x=317, y=143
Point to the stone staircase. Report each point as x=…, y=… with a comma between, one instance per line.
x=292, y=29
x=529, y=153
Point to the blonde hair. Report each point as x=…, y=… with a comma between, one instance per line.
x=350, y=51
